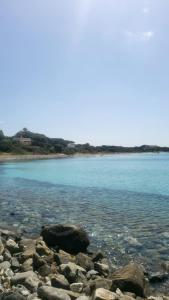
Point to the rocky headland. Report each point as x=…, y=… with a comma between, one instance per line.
x=58, y=266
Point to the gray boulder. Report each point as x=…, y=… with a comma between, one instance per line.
x=70, y=238
x=51, y=293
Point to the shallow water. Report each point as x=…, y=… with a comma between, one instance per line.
x=122, y=200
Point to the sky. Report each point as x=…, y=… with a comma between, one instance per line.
x=92, y=71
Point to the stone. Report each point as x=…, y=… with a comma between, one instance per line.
x=44, y=270
x=59, y=281
x=11, y=296
x=32, y=283
x=97, y=256
x=132, y=295
x=22, y=290
x=7, y=255
x=92, y=274
x=51, y=293
x=5, y=265
x=1, y=258
x=71, y=271
x=130, y=279
x=12, y=246
x=103, y=294
x=27, y=247
x=20, y=278
x=98, y=283
x=70, y=238
x=76, y=287
x=102, y=269
x=15, y=265
x=83, y=298
x=38, y=261
x=84, y=261
x=42, y=249
x=27, y=265
x=63, y=257
x=165, y=265
x=1, y=247
x=158, y=277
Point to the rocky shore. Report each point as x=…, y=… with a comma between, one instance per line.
x=58, y=266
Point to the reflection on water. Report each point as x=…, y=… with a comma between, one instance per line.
x=127, y=225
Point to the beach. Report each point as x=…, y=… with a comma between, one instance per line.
x=21, y=157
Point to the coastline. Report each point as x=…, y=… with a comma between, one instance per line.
x=7, y=157
x=27, y=157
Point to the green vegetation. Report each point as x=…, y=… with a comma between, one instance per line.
x=36, y=143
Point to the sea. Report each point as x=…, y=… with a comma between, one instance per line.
x=122, y=201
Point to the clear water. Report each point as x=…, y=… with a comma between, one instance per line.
x=122, y=200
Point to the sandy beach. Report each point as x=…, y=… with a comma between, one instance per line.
x=12, y=157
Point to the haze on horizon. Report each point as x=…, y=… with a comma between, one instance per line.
x=90, y=70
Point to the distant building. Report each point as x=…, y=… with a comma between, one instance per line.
x=23, y=141
x=71, y=145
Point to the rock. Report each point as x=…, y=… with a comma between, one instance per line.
x=102, y=269
x=1, y=247
x=103, y=294
x=84, y=261
x=156, y=298
x=1, y=258
x=158, y=277
x=92, y=285
x=42, y=249
x=21, y=278
x=83, y=298
x=59, y=281
x=27, y=265
x=131, y=295
x=63, y=257
x=8, y=234
x=44, y=270
x=71, y=271
x=97, y=256
x=12, y=246
x=15, y=265
x=5, y=265
x=7, y=255
x=32, y=283
x=51, y=293
x=130, y=279
x=76, y=287
x=92, y=274
x=22, y=290
x=27, y=246
x=70, y=238
x=11, y=296
x=38, y=261
x=165, y=265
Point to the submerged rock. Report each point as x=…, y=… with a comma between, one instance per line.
x=70, y=238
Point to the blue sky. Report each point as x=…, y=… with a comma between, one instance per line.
x=86, y=70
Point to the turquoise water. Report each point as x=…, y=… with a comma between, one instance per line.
x=122, y=200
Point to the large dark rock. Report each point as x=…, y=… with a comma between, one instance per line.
x=130, y=279
x=70, y=238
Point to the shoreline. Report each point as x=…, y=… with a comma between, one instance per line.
x=58, y=262
x=7, y=157
x=27, y=157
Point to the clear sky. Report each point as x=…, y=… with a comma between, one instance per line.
x=86, y=70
